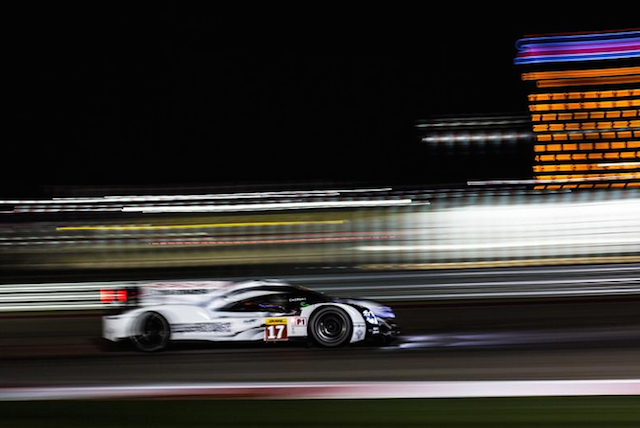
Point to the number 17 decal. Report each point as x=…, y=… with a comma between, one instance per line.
x=275, y=330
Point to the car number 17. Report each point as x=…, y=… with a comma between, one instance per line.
x=275, y=330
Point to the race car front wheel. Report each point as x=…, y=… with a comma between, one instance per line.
x=151, y=332
x=330, y=327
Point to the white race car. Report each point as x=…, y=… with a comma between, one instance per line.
x=270, y=311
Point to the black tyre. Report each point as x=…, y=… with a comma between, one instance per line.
x=330, y=326
x=151, y=332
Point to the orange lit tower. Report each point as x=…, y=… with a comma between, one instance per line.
x=585, y=108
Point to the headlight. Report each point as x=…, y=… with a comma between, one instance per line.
x=385, y=312
x=370, y=317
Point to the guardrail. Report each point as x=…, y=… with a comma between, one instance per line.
x=55, y=297
x=576, y=281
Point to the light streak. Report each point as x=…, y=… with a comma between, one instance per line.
x=476, y=137
x=171, y=198
x=472, y=122
x=615, y=93
x=274, y=241
x=572, y=126
x=274, y=206
x=584, y=105
x=583, y=167
x=585, y=240
x=589, y=177
x=585, y=156
x=269, y=206
x=609, y=114
x=578, y=47
x=570, y=74
x=573, y=178
x=203, y=225
x=618, y=164
x=610, y=80
x=588, y=135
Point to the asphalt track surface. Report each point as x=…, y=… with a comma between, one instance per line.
x=569, y=340
x=590, y=338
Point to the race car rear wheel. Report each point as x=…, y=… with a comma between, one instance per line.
x=151, y=332
x=330, y=327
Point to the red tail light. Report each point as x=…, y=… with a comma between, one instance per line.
x=107, y=296
x=121, y=295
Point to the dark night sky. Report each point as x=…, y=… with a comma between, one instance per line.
x=114, y=94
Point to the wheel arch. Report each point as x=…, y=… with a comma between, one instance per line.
x=358, y=323
x=139, y=341
x=174, y=314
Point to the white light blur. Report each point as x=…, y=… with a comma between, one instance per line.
x=524, y=230
x=267, y=207
x=586, y=240
x=168, y=198
x=498, y=121
x=618, y=164
x=474, y=137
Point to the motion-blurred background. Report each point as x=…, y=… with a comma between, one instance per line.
x=479, y=172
